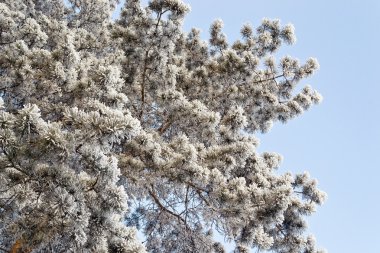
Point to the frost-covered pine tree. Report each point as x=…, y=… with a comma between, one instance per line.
x=108, y=126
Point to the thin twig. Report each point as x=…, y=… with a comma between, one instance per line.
x=4, y=249
x=163, y=208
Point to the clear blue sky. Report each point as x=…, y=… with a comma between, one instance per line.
x=337, y=141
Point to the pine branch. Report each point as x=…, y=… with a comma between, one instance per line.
x=163, y=208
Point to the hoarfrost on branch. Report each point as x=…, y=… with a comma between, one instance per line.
x=108, y=126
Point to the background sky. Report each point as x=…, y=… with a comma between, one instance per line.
x=338, y=140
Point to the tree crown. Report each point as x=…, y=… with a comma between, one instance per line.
x=108, y=126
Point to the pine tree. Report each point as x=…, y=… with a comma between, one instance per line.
x=108, y=126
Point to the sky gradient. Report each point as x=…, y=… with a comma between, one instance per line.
x=338, y=140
